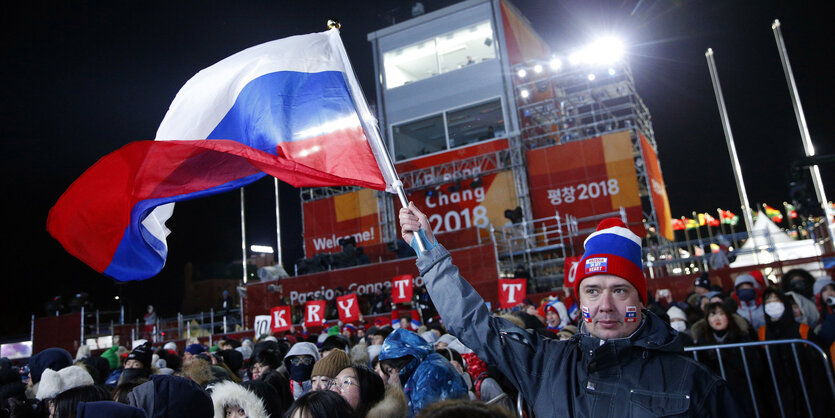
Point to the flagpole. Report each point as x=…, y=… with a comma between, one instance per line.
x=788, y=214
x=372, y=131
x=721, y=223
x=804, y=129
x=243, y=235
x=729, y=138
x=687, y=236
x=278, y=258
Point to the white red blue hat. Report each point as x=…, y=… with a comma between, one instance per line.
x=613, y=249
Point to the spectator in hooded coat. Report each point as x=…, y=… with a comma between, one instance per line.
x=233, y=400
x=426, y=377
x=170, y=397
x=299, y=362
x=750, y=304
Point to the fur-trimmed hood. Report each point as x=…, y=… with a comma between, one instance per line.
x=230, y=393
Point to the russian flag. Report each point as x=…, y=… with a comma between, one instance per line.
x=290, y=108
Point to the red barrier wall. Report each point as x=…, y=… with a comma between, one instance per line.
x=57, y=331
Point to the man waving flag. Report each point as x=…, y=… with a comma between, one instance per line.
x=290, y=108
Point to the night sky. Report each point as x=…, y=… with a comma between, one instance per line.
x=81, y=79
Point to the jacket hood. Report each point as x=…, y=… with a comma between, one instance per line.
x=403, y=343
x=171, y=396
x=107, y=409
x=231, y=393
x=301, y=349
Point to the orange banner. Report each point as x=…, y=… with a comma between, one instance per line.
x=584, y=178
x=658, y=191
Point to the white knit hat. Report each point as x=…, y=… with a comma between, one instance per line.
x=54, y=383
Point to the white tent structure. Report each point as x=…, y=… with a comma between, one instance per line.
x=768, y=243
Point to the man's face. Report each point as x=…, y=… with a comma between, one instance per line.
x=551, y=318
x=607, y=296
x=133, y=364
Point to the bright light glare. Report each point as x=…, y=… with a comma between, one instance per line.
x=537, y=68
x=524, y=93
x=522, y=73
x=591, y=77
x=555, y=64
x=611, y=71
x=605, y=51
x=600, y=52
x=261, y=249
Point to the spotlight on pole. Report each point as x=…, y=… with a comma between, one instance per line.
x=524, y=93
x=261, y=249
x=537, y=68
x=555, y=64
x=611, y=71
x=522, y=73
x=591, y=77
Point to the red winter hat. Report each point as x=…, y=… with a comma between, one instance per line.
x=613, y=249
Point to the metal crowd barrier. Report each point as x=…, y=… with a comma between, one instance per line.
x=765, y=345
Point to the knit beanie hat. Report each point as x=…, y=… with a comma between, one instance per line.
x=54, y=383
x=52, y=358
x=613, y=249
x=331, y=365
x=143, y=354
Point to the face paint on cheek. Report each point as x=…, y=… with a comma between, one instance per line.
x=631, y=314
x=586, y=314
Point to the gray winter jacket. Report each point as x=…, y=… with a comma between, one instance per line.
x=643, y=375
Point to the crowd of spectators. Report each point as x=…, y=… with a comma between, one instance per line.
x=403, y=369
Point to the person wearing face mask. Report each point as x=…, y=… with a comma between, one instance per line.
x=799, y=284
x=780, y=324
x=299, y=363
x=678, y=322
x=750, y=305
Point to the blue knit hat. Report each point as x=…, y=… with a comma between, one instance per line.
x=613, y=249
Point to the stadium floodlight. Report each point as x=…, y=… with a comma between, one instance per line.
x=604, y=51
x=555, y=64
x=575, y=58
x=522, y=73
x=591, y=77
x=537, y=68
x=611, y=71
x=266, y=249
x=524, y=93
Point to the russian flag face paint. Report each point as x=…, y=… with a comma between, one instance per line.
x=631, y=314
x=586, y=315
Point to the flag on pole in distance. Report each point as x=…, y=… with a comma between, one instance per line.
x=706, y=219
x=774, y=214
x=290, y=108
x=678, y=224
x=727, y=217
x=690, y=223
x=790, y=210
